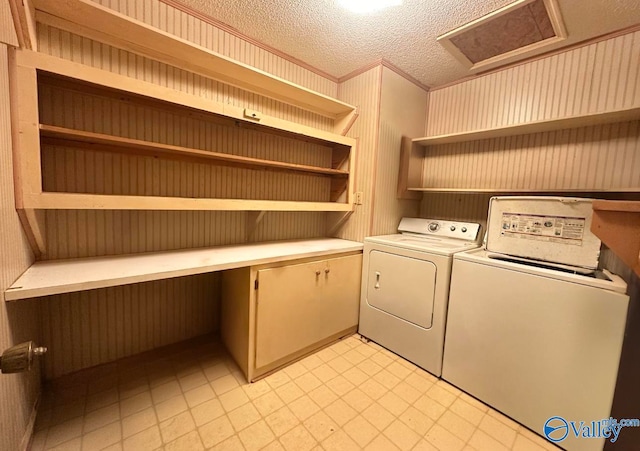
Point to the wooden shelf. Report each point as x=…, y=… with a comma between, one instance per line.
x=533, y=127
x=97, y=141
x=102, y=24
x=66, y=276
x=617, y=224
x=521, y=191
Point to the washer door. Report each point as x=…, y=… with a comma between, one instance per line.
x=402, y=286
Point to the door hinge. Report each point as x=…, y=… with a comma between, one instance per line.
x=255, y=284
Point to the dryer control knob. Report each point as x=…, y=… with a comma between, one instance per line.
x=434, y=226
x=453, y=228
x=463, y=230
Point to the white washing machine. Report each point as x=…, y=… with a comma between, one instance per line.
x=405, y=287
x=533, y=329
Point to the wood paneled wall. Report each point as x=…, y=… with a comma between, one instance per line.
x=7, y=30
x=159, y=313
x=18, y=321
x=598, y=77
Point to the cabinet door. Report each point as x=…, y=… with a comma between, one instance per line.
x=300, y=305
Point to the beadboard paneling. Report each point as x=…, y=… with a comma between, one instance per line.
x=402, y=112
x=602, y=76
x=363, y=91
x=19, y=322
x=604, y=157
x=7, y=29
x=91, y=327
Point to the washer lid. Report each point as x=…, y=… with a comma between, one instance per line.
x=552, y=229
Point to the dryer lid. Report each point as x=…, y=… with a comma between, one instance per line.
x=552, y=229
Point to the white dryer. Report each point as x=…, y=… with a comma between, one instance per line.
x=405, y=287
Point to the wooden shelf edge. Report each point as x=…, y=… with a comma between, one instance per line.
x=617, y=224
x=508, y=190
x=586, y=120
x=110, y=27
x=76, y=201
x=98, y=141
x=617, y=205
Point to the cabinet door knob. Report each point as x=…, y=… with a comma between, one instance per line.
x=317, y=272
x=326, y=271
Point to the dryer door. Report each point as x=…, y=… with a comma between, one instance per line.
x=402, y=286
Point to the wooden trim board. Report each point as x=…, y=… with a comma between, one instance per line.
x=66, y=276
x=110, y=27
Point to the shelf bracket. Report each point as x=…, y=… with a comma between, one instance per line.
x=254, y=218
x=617, y=224
x=337, y=220
x=33, y=224
x=344, y=123
x=410, y=173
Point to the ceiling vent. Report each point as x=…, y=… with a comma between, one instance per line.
x=510, y=33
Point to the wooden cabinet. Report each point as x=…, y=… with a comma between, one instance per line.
x=273, y=315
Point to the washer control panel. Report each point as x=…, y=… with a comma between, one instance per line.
x=437, y=227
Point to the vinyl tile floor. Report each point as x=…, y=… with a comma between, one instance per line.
x=349, y=396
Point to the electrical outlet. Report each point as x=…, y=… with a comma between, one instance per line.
x=358, y=198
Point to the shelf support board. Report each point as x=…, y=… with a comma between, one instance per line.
x=254, y=218
x=344, y=123
x=33, y=223
x=336, y=221
x=617, y=224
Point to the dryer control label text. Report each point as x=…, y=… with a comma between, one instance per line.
x=555, y=229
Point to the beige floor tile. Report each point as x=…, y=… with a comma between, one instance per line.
x=458, y=426
x=233, y=399
x=165, y=391
x=465, y=410
x=289, y=392
x=381, y=443
x=256, y=389
x=430, y=407
x=361, y=431
x=303, y=407
x=295, y=370
x=537, y=439
x=357, y=399
x=192, y=381
x=340, y=412
x=354, y=357
x=207, y=411
x=427, y=375
x=102, y=437
x=365, y=349
x=401, y=436
x=324, y=373
x=101, y=417
x=71, y=445
x=64, y=432
x=216, y=371
x=498, y=430
x=416, y=420
x=282, y=421
x=224, y=384
x=381, y=359
x=135, y=404
x=171, y=407
x=322, y=396
x=455, y=391
x=483, y=442
x=327, y=354
x=378, y=416
x=340, y=364
x=133, y=387
x=373, y=389
x=147, y=440
x=256, y=436
x=65, y=412
x=340, y=386
x=356, y=376
x=444, y=397
x=176, y=427
x=424, y=445
x=115, y=447
x=188, y=442
x=474, y=402
x=216, y=431
x=443, y=439
x=320, y=426
x=233, y=443
x=298, y=439
x=277, y=379
x=522, y=443
x=387, y=379
x=340, y=441
x=311, y=362
x=308, y=382
x=393, y=403
x=419, y=382
x=398, y=370
x=244, y=416
x=199, y=395
x=103, y=399
x=138, y=422
x=407, y=392
x=504, y=419
x=266, y=404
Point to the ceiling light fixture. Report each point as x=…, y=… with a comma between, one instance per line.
x=367, y=6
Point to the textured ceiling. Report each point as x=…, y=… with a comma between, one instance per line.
x=326, y=36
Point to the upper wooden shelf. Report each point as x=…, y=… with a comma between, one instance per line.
x=617, y=224
x=533, y=127
x=102, y=24
x=66, y=276
x=97, y=141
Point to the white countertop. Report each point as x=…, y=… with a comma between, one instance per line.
x=65, y=276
